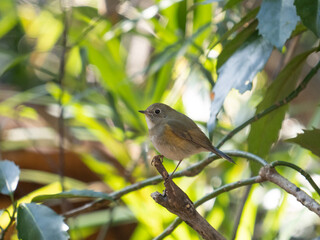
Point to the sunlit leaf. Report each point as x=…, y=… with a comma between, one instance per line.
x=265, y=131
x=42, y=25
x=8, y=17
x=238, y=72
x=9, y=177
x=309, y=139
x=309, y=12
x=40, y=222
x=277, y=19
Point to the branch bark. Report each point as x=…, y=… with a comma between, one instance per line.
x=177, y=202
x=268, y=173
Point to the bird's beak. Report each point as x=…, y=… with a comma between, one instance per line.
x=144, y=112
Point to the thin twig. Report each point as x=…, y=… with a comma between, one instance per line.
x=60, y=102
x=268, y=173
x=300, y=170
x=277, y=105
x=189, y=171
x=240, y=211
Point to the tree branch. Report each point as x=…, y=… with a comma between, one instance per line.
x=268, y=173
x=189, y=172
x=300, y=170
x=215, y=193
x=177, y=202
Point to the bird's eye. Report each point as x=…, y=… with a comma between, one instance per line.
x=157, y=111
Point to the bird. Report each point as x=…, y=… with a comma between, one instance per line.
x=175, y=135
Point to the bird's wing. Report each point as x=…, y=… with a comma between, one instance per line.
x=193, y=134
x=190, y=133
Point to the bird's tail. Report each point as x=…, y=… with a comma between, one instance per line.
x=222, y=154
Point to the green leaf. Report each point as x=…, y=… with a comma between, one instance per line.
x=265, y=132
x=309, y=12
x=235, y=43
x=9, y=59
x=40, y=222
x=73, y=194
x=277, y=19
x=9, y=177
x=309, y=139
x=238, y=71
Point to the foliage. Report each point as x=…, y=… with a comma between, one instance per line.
x=74, y=75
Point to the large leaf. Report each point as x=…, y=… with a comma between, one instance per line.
x=235, y=43
x=265, y=132
x=277, y=19
x=238, y=72
x=309, y=139
x=40, y=222
x=73, y=194
x=9, y=177
x=309, y=12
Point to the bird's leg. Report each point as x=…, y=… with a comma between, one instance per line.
x=171, y=175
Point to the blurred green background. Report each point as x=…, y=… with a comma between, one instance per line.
x=120, y=57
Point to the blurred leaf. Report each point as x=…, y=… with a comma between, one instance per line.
x=44, y=178
x=164, y=77
x=300, y=28
x=73, y=194
x=246, y=19
x=7, y=106
x=206, y=73
x=265, y=131
x=309, y=12
x=42, y=25
x=8, y=17
x=117, y=148
x=231, y=4
x=163, y=57
x=8, y=60
x=116, y=215
x=179, y=48
x=235, y=43
x=309, y=139
x=277, y=19
x=9, y=177
x=238, y=72
x=202, y=3
x=39, y=222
